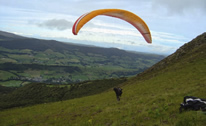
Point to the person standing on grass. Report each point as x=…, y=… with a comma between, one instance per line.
x=118, y=92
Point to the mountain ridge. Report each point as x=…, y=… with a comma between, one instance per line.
x=33, y=43
x=10, y=36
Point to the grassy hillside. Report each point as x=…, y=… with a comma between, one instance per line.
x=149, y=99
x=37, y=93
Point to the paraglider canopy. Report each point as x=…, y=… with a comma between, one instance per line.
x=128, y=16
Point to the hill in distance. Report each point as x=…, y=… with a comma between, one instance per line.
x=9, y=36
x=25, y=60
x=150, y=98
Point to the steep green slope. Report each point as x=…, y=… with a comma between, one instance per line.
x=149, y=99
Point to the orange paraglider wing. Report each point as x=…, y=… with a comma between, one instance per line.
x=128, y=16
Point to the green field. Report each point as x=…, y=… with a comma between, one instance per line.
x=69, y=66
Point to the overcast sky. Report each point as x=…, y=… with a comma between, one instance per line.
x=171, y=22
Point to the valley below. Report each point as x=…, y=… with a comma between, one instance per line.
x=25, y=60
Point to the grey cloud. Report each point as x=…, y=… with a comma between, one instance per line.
x=59, y=24
x=181, y=6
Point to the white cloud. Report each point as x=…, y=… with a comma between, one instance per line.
x=181, y=6
x=59, y=24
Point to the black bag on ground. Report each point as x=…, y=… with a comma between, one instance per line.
x=193, y=103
